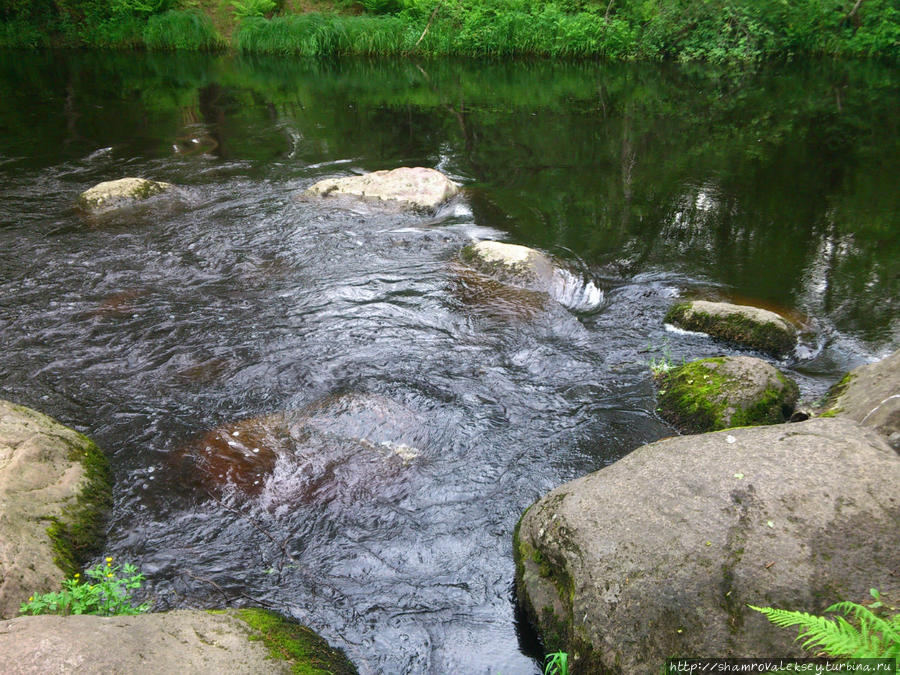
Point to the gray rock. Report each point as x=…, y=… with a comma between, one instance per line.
x=743, y=325
x=723, y=392
x=659, y=554
x=405, y=188
x=870, y=395
x=122, y=192
x=184, y=641
x=528, y=269
x=54, y=493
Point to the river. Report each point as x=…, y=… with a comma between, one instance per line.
x=147, y=328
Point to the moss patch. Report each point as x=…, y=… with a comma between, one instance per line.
x=696, y=398
x=735, y=328
x=307, y=652
x=829, y=404
x=78, y=534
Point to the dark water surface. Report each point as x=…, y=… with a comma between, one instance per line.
x=147, y=328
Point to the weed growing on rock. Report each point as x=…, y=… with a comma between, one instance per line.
x=557, y=663
x=107, y=594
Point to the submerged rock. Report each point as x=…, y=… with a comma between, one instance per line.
x=123, y=192
x=660, y=553
x=307, y=454
x=54, y=494
x=870, y=395
x=182, y=641
x=405, y=188
x=722, y=392
x=526, y=268
x=743, y=325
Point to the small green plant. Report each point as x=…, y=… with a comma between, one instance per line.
x=107, y=595
x=557, y=663
x=245, y=8
x=875, y=638
x=662, y=364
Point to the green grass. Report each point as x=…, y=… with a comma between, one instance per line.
x=322, y=34
x=720, y=31
x=181, y=30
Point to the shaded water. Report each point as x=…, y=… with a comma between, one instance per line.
x=148, y=328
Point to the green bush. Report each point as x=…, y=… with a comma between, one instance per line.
x=107, y=595
x=181, y=30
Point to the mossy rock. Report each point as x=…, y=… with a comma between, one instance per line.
x=55, y=490
x=718, y=393
x=306, y=651
x=870, y=395
x=742, y=325
x=122, y=192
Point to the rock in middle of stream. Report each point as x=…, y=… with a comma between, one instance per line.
x=337, y=445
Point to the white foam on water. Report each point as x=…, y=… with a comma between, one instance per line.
x=575, y=293
x=681, y=331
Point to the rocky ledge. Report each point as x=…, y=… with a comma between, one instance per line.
x=659, y=554
x=403, y=189
x=54, y=495
x=185, y=641
x=743, y=325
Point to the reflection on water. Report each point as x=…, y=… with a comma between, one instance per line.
x=407, y=409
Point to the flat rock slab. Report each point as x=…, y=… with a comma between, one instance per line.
x=742, y=325
x=723, y=392
x=44, y=483
x=184, y=641
x=122, y=192
x=870, y=395
x=416, y=189
x=659, y=554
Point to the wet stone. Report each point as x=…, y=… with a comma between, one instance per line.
x=306, y=454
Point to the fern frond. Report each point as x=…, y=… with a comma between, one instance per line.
x=876, y=637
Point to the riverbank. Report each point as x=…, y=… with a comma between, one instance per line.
x=733, y=31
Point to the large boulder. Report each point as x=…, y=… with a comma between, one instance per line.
x=659, y=554
x=185, y=641
x=336, y=444
x=870, y=395
x=122, y=192
x=743, y=325
x=723, y=392
x=417, y=189
x=527, y=269
x=54, y=494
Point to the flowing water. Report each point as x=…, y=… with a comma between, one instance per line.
x=421, y=408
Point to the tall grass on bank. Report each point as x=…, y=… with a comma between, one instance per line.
x=550, y=33
x=181, y=30
x=719, y=31
x=323, y=34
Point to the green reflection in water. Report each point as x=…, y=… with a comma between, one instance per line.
x=778, y=186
